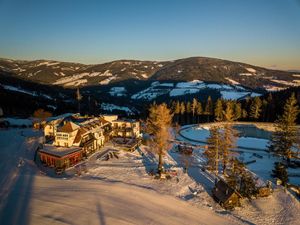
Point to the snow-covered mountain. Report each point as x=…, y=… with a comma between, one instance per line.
x=72, y=75
x=128, y=85
x=75, y=74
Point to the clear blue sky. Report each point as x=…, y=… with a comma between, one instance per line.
x=261, y=32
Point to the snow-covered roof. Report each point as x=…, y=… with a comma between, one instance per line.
x=59, y=151
x=68, y=127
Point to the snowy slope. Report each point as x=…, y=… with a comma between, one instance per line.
x=157, y=89
x=188, y=69
x=29, y=197
x=111, y=107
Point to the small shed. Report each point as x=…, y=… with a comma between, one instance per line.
x=185, y=149
x=226, y=196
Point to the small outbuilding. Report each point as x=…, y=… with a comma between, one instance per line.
x=226, y=196
x=185, y=149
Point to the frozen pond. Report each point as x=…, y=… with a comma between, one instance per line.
x=252, y=145
x=249, y=136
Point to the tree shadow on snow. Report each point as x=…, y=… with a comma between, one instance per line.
x=197, y=173
x=16, y=205
x=148, y=160
x=100, y=213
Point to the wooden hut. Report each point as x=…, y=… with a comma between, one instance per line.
x=226, y=196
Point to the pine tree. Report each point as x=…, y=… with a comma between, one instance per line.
x=208, y=108
x=264, y=109
x=199, y=111
x=172, y=106
x=182, y=112
x=280, y=172
x=285, y=135
x=244, y=113
x=248, y=185
x=228, y=144
x=228, y=114
x=219, y=110
x=233, y=175
x=239, y=178
x=194, y=108
x=213, y=150
x=188, y=107
x=177, y=111
x=270, y=108
x=255, y=108
x=229, y=136
x=297, y=153
x=188, y=112
x=237, y=110
x=158, y=126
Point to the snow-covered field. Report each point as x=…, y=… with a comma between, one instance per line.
x=156, y=89
x=119, y=191
x=21, y=90
x=118, y=91
x=111, y=107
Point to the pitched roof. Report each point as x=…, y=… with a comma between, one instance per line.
x=223, y=191
x=103, y=121
x=79, y=134
x=68, y=127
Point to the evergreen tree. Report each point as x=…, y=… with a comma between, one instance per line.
x=297, y=153
x=194, y=108
x=219, y=110
x=213, y=149
x=173, y=106
x=188, y=107
x=208, y=108
x=244, y=113
x=228, y=114
x=199, y=111
x=229, y=136
x=182, y=112
x=237, y=110
x=248, y=185
x=239, y=178
x=255, y=108
x=264, y=109
x=285, y=135
x=280, y=172
x=188, y=112
x=158, y=126
x=177, y=110
x=270, y=108
x=233, y=175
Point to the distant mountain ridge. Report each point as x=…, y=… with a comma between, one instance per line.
x=72, y=75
